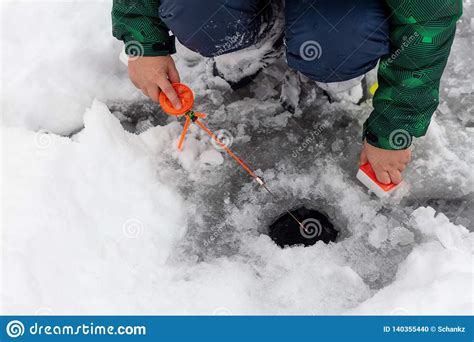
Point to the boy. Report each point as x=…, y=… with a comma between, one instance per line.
x=326, y=40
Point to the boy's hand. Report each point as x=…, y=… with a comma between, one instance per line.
x=155, y=74
x=387, y=164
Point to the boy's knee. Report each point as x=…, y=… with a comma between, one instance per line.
x=335, y=41
x=212, y=27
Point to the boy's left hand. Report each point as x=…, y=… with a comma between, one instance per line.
x=387, y=164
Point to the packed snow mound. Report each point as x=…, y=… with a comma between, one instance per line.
x=435, y=278
x=77, y=206
x=57, y=57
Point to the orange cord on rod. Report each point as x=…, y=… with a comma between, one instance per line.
x=186, y=97
x=240, y=161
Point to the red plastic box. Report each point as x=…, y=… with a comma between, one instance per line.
x=367, y=176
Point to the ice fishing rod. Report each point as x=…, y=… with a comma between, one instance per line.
x=186, y=96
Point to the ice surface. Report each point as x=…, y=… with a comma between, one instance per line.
x=106, y=221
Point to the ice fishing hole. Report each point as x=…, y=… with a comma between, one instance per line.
x=285, y=231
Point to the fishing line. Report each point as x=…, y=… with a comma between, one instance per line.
x=186, y=97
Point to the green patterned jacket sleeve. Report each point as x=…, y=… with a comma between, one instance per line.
x=421, y=35
x=137, y=24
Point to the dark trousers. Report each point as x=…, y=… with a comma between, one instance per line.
x=326, y=40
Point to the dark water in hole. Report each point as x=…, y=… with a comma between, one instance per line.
x=285, y=231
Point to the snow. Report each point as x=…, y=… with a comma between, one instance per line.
x=56, y=61
x=211, y=157
x=62, y=221
x=98, y=220
x=443, y=251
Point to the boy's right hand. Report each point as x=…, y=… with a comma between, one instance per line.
x=155, y=74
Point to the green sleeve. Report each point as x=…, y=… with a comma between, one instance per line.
x=421, y=35
x=137, y=24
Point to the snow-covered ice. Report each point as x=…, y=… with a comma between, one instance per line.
x=99, y=220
